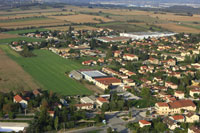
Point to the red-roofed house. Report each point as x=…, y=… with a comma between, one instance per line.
x=19, y=99
x=174, y=107
x=100, y=101
x=143, y=123
x=51, y=113
x=130, y=57
x=178, y=118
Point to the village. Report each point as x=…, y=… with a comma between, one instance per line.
x=154, y=74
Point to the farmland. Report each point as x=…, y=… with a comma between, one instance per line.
x=131, y=20
x=48, y=70
x=28, y=39
x=12, y=75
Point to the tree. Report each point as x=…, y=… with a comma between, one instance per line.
x=109, y=130
x=105, y=107
x=56, y=122
x=11, y=115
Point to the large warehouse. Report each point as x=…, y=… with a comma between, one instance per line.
x=143, y=35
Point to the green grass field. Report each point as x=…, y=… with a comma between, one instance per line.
x=25, y=31
x=28, y=39
x=48, y=69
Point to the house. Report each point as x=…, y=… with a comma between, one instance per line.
x=36, y=92
x=51, y=113
x=105, y=82
x=175, y=107
x=117, y=53
x=179, y=94
x=19, y=99
x=171, y=62
x=191, y=117
x=89, y=62
x=143, y=123
x=100, y=101
x=171, y=85
x=194, y=91
x=130, y=57
x=194, y=129
x=153, y=61
x=170, y=123
x=85, y=106
x=177, y=118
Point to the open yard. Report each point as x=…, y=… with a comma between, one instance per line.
x=48, y=69
x=12, y=75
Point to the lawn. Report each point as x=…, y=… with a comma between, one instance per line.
x=48, y=69
x=26, y=31
x=28, y=39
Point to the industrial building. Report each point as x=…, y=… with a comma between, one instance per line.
x=143, y=35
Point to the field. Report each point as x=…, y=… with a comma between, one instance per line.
x=28, y=39
x=128, y=19
x=48, y=70
x=26, y=31
x=82, y=18
x=12, y=76
x=5, y=36
x=65, y=28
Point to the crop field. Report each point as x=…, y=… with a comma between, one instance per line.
x=12, y=75
x=179, y=28
x=37, y=23
x=82, y=18
x=26, y=31
x=6, y=36
x=48, y=69
x=28, y=39
x=65, y=28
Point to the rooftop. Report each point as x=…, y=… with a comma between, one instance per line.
x=93, y=73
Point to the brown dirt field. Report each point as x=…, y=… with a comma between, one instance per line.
x=5, y=36
x=36, y=23
x=81, y=18
x=64, y=28
x=13, y=77
x=178, y=28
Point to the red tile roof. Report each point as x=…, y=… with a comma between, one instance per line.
x=162, y=104
x=178, y=117
x=181, y=103
x=144, y=122
x=18, y=98
x=101, y=99
x=108, y=80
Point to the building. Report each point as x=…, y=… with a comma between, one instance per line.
x=194, y=91
x=19, y=99
x=130, y=57
x=194, y=129
x=13, y=126
x=177, y=118
x=86, y=100
x=143, y=35
x=85, y=106
x=76, y=75
x=91, y=74
x=51, y=113
x=171, y=85
x=175, y=107
x=143, y=123
x=106, y=82
x=100, y=101
x=170, y=123
x=191, y=117
x=113, y=39
x=179, y=94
